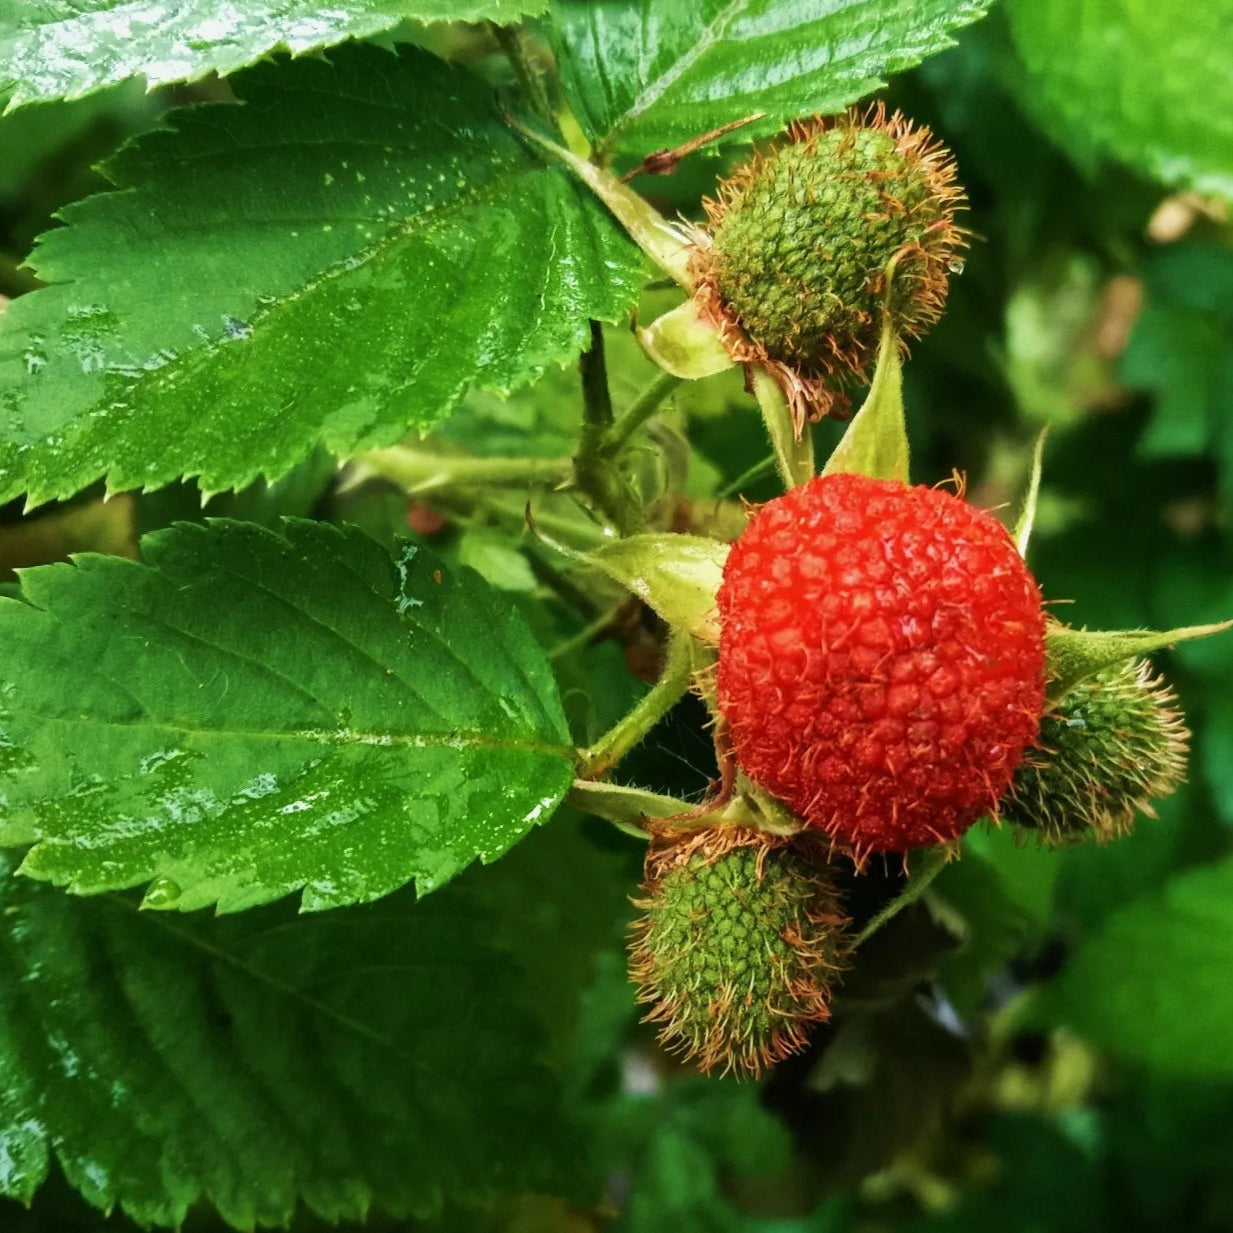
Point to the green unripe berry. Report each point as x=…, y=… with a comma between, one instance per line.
x=812, y=243
x=737, y=949
x=1110, y=746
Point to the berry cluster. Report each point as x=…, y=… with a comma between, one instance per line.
x=884, y=662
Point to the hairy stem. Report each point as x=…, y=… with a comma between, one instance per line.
x=639, y=411
x=586, y=633
x=596, y=396
x=595, y=469
x=601, y=757
x=932, y=862
x=760, y=468
x=420, y=471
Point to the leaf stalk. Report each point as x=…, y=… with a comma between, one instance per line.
x=932, y=863
x=607, y=752
x=530, y=81
x=639, y=411
x=595, y=468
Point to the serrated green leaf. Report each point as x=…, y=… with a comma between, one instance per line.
x=67, y=48
x=1152, y=983
x=334, y=261
x=658, y=72
x=1148, y=84
x=246, y=714
x=255, y=1062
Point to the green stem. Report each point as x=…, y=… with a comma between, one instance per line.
x=601, y=757
x=418, y=471
x=756, y=472
x=932, y=863
x=509, y=507
x=793, y=455
x=527, y=72
x=596, y=396
x=586, y=633
x=641, y=410
x=595, y=469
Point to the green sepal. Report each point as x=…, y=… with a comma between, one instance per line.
x=876, y=441
x=676, y=575
x=1075, y=654
x=621, y=804
x=1027, y=516
x=791, y=442
x=637, y=811
x=685, y=345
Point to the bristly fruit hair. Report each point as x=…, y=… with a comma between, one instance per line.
x=881, y=659
x=1110, y=747
x=803, y=238
x=740, y=941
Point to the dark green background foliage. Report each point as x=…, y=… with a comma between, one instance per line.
x=363, y=247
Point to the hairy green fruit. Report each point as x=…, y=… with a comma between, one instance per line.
x=811, y=242
x=1111, y=745
x=737, y=949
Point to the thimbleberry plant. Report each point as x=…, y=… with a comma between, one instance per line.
x=484, y=682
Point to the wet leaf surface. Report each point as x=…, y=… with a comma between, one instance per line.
x=657, y=73
x=263, y=1060
x=67, y=48
x=336, y=261
x=245, y=715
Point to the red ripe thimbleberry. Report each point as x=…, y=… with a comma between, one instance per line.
x=881, y=659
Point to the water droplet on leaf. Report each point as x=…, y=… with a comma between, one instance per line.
x=162, y=893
